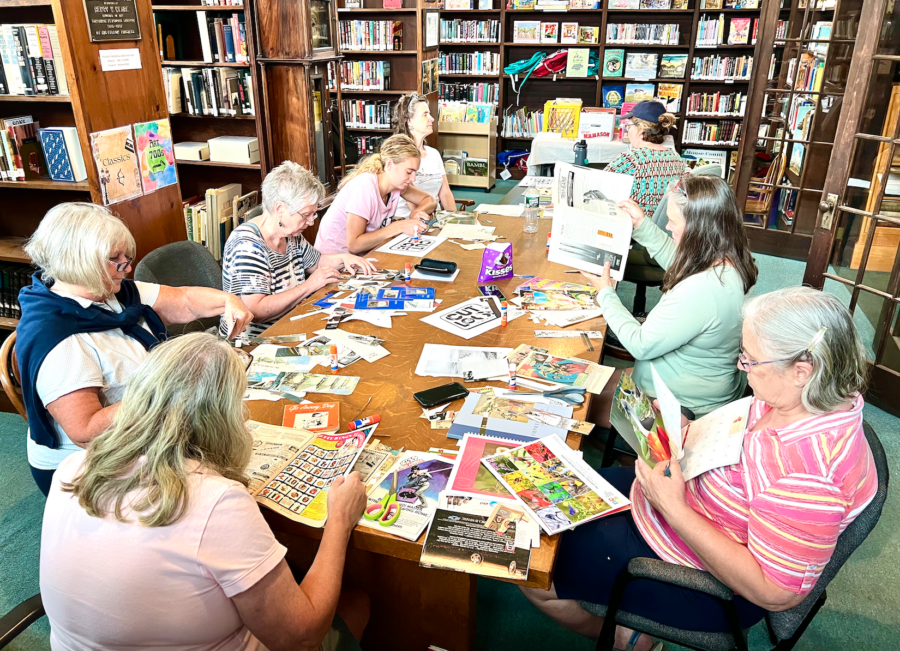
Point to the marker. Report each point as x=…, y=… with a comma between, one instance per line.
x=334, y=360
x=364, y=422
x=523, y=276
x=408, y=271
x=512, y=377
x=503, y=310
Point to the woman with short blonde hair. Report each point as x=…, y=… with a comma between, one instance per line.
x=151, y=539
x=85, y=328
x=360, y=219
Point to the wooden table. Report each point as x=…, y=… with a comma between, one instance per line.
x=413, y=607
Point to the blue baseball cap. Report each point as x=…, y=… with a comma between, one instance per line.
x=648, y=110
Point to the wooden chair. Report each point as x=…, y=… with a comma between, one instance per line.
x=759, y=196
x=462, y=204
x=9, y=375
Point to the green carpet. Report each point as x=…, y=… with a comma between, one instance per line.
x=860, y=614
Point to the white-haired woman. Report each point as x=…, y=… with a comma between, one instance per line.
x=151, y=540
x=765, y=526
x=267, y=261
x=85, y=328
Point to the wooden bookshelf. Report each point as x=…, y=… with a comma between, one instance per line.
x=30, y=99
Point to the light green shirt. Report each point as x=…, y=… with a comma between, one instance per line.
x=692, y=337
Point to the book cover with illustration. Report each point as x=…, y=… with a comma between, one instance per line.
x=527, y=31
x=613, y=62
x=569, y=33
x=639, y=92
x=588, y=34
x=672, y=66
x=314, y=417
x=739, y=34
x=117, y=165
x=641, y=65
x=157, y=158
x=670, y=96
x=549, y=32
x=613, y=96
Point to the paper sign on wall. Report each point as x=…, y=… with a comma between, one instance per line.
x=120, y=59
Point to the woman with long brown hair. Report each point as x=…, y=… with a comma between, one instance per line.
x=692, y=337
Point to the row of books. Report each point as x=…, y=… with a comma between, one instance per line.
x=365, y=75
x=469, y=63
x=725, y=132
x=219, y=3
x=729, y=4
x=781, y=31
x=669, y=94
x=470, y=31
x=809, y=71
x=731, y=104
x=711, y=31
x=638, y=33
x=536, y=31
x=522, y=123
x=467, y=5
x=458, y=163
x=32, y=62
x=223, y=39
x=550, y=5
x=481, y=112
x=13, y=277
x=647, y=4
x=719, y=68
x=368, y=144
x=222, y=92
x=370, y=35
x=211, y=219
x=30, y=153
x=366, y=114
x=480, y=92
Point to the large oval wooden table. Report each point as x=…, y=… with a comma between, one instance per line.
x=413, y=607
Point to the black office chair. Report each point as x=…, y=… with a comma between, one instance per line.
x=182, y=264
x=785, y=628
x=19, y=618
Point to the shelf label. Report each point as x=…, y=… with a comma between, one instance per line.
x=124, y=59
x=112, y=20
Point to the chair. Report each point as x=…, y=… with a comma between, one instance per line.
x=763, y=190
x=785, y=628
x=462, y=204
x=182, y=264
x=9, y=375
x=20, y=618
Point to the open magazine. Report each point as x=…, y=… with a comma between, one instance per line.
x=291, y=470
x=710, y=442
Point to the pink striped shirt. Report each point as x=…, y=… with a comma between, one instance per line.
x=788, y=499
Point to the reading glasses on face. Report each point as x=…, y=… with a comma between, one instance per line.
x=121, y=266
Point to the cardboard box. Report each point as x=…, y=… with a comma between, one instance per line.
x=243, y=150
x=191, y=150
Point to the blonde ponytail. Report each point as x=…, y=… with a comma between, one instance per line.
x=396, y=149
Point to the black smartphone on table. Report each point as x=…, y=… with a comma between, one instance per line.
x=440, y=395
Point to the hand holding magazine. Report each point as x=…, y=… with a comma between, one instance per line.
x=710, y=442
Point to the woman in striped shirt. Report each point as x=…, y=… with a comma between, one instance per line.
x=765, y=526
x=267, y=261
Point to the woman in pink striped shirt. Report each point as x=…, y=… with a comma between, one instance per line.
x=766, y=526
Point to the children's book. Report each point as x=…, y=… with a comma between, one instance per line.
x=318, y=417
x=670, y=95
x=613, y=96
x=639, y=92
x=656, y=4
x=569, y=33
x=672, y=66
x=549, y=32
x=624, y=4
x=710, y=442
x=588, y=34
x=577, y=62
x=641, y=65
x=739, y=34
x=154, y=150
x=613, y=62
x=527, y=31
x=698, y=157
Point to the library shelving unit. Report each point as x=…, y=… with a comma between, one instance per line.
x=97, y=101
x=407, y=68
x=196, y=177
x=478, y=140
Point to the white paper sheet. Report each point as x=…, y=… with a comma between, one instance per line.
x=563, y=318
x=467, y=232
x=303, y=316
x=512, y=210
x=378, y=318
x=406, y=245
x=365, y=351
x=468, y=319
x=586, y=240
x=536, y=182
x=484, y=369
x=418, y=275
x=567, y=334
x=437, y=360
x=584, y=188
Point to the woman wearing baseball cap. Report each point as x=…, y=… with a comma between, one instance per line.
x=653, y=166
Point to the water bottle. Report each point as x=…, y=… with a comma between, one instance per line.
x=532, y=209
x=580, y=153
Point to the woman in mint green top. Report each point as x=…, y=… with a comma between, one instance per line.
x=692, y=337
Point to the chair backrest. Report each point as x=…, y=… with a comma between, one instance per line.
x=784, y=624
x=9, y=369
x=180, y=264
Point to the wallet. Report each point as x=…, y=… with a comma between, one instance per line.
x=438, y=267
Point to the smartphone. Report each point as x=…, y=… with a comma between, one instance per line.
x=491, y=290
x=440, y=395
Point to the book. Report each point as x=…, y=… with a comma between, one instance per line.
x=587, y=34
x=475, y=167
x=710, y=4
x=672, y=66
x=479, y=112
x=613, y=62
x=739, y=31
x=454, y=160
x=613, y=96
x=639, y=92
x=242, y=205
x=62, y=150
x=549, y=32
x=155, y=154
x=117, y=164
x=624, y=4
x=291, y=470
x=641, y=65
x=577, y=62
x=670, y=96
x=568, y=33
x=656, y=4
x=317, y=417
x=527, y=31
x=699, y=157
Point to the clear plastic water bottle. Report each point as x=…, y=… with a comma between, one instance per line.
x=532, y=209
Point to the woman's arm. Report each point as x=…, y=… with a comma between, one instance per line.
x=185, y=304
x=268, y=307
x=727, y=560
x=350, y=263
x=419, y=202
x=81, y=415
x=359, y=241
x=660, y=246
x=448, y=201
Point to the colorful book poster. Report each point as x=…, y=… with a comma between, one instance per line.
x=154, y=150
x=117, y=166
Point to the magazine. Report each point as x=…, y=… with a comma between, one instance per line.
x=291, y=470
x=541, y=294
x=313, y=417
x=514, y=431
x=570, y=371
x=710, y=442
x=375, y=460
x=588, y=189
x=562, y=491
x=491, y=406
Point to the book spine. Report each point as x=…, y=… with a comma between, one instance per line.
x=36, y=60
x=228, y=38
x=205, y=44
x=18, y=34
x=58, y=61
x=49, y=63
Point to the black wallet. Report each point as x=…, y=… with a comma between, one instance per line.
x=437, y=267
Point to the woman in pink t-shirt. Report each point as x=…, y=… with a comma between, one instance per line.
x=359, y=220
x=151, y=539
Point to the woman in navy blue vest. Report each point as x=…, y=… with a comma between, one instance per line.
x=85, y=328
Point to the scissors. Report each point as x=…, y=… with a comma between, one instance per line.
x=569, y=395
x=387, y=510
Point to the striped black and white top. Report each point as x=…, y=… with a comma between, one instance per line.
x=249, y=266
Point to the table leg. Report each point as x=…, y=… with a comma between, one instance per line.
x=412, y=607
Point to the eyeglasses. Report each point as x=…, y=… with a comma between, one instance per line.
x=246, y=357
x=122, y=266
x=745, y=363
x=678, y=187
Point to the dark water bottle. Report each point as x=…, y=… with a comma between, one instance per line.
x=581, y=152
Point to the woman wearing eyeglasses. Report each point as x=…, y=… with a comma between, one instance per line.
x=766, y=526
x=268, y=262
x=85, y=328
x=692, y=335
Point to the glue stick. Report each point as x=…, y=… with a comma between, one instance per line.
x=334, y=359
x=416, y=234
x=512, y=377
x=548, y=242
x=503, y=310
x=408, y=271
x=364, y=422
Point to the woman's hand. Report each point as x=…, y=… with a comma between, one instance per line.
x=237, y=314
x=409, y=226
x=321, y=277
x=634, y=211
x=665, y=494
x=600, y=282
x=346, y=501
x=354, y=263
